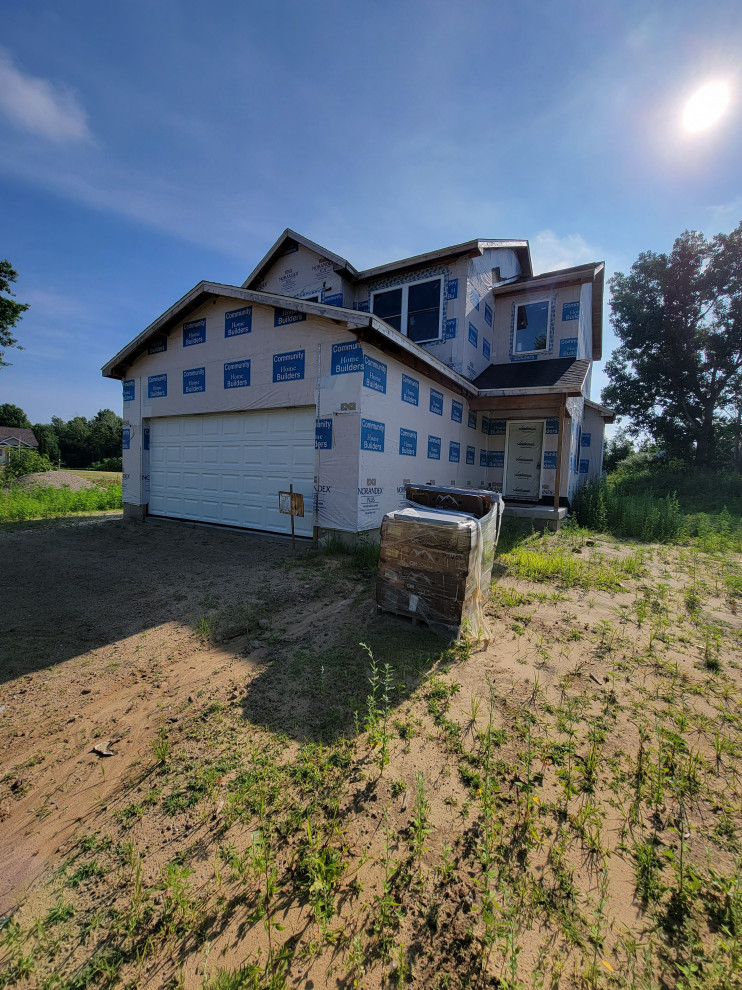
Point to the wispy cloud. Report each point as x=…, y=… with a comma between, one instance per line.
x=550, y=251
x=39, y=107
x=724, y=217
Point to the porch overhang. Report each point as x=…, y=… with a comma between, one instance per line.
x=536, y=404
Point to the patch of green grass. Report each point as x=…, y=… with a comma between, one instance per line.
x=40, y=502
x=548, y=560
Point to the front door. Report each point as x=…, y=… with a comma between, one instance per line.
x=525, y=442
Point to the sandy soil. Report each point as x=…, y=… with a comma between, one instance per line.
x=87, y=604
x=115, y=632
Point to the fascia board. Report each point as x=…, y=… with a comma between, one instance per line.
x=495, y=393
x=475, y=246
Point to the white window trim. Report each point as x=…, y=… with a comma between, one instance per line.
x=530, y=302
x=404, y=286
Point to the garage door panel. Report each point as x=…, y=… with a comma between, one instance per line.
x=229, y=468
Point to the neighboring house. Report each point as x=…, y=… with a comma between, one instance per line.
x=15, y=438
x=456, y=367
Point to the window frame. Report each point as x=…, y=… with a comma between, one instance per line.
x=405, y=287
x=532, y=302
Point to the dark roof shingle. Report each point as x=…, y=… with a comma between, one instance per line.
x=19, y=434
x=563, y=373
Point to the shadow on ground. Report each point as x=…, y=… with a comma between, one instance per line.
x=75, y=585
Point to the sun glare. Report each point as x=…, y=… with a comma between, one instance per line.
x=706, y=106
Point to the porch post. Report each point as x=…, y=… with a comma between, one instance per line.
x=560, y=443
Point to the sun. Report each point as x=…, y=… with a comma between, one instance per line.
x=706, y=106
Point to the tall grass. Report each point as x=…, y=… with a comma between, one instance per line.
x=39, y=502
x=607, y=507
x=645, y=506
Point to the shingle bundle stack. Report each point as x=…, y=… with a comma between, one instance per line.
x=435, y=564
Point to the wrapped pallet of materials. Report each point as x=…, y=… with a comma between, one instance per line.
x=435, y=564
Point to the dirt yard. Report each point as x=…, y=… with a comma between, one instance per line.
x=207, y=782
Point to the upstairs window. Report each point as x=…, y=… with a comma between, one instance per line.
x=531, y=326
x=415, y=309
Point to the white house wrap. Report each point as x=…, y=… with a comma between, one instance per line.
x=235, y=393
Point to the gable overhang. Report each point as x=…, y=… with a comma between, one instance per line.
x=471, y=249
x=365, y=326
x=15, y=443
x=609, y=415
x=289, y=237
x=594, y=273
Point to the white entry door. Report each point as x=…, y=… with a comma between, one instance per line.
x=525, y=443
x=229, y=467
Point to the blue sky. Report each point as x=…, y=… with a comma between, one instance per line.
x=147, y=144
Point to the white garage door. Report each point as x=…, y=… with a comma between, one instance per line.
x=229, y=468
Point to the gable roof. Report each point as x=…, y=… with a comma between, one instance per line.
x=289, y=238
x=17, y=436
x=593, y=272
x=365, y=326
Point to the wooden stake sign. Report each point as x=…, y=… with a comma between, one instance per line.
x=291, y=503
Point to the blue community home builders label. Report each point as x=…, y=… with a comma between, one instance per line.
x=194, y=333
x=346, y=358
x=436, y=402
x=472, y=421
x=470, y=452
x=238, y=321
x=237, y=374
x=549, y=460
x=374, y=374
x=410, y=390
x=408, y=442
x=457, y=411
x=568, y=347
x=473, y=335
x=288, y=367
x=283, y=317
x=570, y=311
x=434, y=448
x=486, y=348
x=158, y=345
x=323, y=434
x=156, y=386
x=194, y=380
x=454, y=451
x=372, y=435
x=126, y=439
x=129, y=390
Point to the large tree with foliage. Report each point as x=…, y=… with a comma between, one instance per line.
x=10, y=310
x=678, y=368
x=11, y=415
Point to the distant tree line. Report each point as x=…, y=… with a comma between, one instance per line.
x=78, y=442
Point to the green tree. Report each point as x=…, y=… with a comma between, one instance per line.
x=10, y=311
x=679, y=364
x=84, y=441
x=617, y=449
x=11, y=415
x=46, y=437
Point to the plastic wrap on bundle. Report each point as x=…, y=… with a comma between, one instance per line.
x=435, y=565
